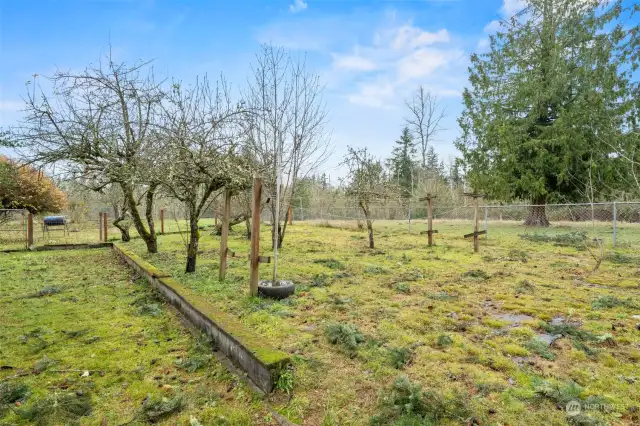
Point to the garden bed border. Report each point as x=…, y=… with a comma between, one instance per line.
x=245, y=349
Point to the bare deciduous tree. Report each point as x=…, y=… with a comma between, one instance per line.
x=366, y=184
x=200, y=131
x=97, y=127
x=425, y=115
x=287, y=126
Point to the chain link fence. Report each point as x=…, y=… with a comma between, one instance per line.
x=615, y=223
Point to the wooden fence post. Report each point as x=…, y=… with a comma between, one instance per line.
x=162, y=221
x=255, y=237
x=224, y=235
x=475, y=234
x=29, y=230
x=105, y=223
x=290, y=216
x=100, y=225
x=430, y=230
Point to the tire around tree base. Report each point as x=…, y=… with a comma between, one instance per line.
x=282, y=291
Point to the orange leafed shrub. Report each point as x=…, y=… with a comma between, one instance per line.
x=24, y=187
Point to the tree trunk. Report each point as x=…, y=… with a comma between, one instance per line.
x=537, y=213
x=232, y=221
x=120, y=216
x=247, y=222
x=148, y=237
x=194, y=238
x=369, y=224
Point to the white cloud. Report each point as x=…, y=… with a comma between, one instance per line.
x=298, y=6
x=401, y=57
x=511, y=7
x=353, y=63
x=411, y=37
x=493, y=27
x=11, y=106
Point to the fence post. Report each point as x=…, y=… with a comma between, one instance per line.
x=162, y=221
x=105, y=224
x=255, y=237
x=486, y=222
x=290, y=215
x=615, y=223
x=224, y=235
x=29, y=230
x=100, y=225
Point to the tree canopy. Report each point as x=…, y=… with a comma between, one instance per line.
x=544, y=101
x=24, y=187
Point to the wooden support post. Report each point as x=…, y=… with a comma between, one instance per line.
x=476, y=244
x=224, y=235
x=105, y=223
x=430, y=230
x=100, y=225
x=162, y=221
x=475, y=234
x=29, y=230
x=290, y=216
x=255, y=237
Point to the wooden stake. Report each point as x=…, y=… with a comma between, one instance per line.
x=224, y=235
x=162, y=221
x=290, y=216
x=255, y=237
x=430, y=230
x=476, y=244
x=29, y=230
x=105, y=223
x=100, y=225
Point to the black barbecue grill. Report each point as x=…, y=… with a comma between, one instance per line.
x=54, y=221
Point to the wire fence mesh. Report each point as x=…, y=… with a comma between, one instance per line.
x=616, y=224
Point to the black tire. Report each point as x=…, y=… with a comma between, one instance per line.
x=284, y=290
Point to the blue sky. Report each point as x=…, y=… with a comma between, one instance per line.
x=370, y=54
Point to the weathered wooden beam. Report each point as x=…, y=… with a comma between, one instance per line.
x=433, y=231
x=254, y=257
x=224, y=236
x=478, y=233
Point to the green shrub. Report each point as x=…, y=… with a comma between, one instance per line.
x=347, y=336
x=319, y=280
x=621, y=258
x=12, y=392
x=285, y=381
x=375, y=270
x=516, y=255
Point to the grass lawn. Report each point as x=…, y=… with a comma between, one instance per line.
x=404, y=332
x=83, y=343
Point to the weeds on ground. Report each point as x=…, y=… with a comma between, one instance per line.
x=475, y=275
x=525, y=287
x=621, y=258
x=407, y=404
x=375, y=270
x=347, y=336
x=330, y=263
x=571, y=239
x=540, y=348
x=58, y=408
x=570, y=330
x=44, y=292
x=319, y=280
x=444, y=340
x=403, y=288
x=285, y=381
x=608, y=302
x=400, y=357
x=155, y=408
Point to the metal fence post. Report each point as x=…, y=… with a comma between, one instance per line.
x=615, y=223
x=486, y=222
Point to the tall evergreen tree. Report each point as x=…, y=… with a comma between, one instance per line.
x=544, y=100
x=401, y=162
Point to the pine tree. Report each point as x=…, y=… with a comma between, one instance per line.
x=543, y=102
x=401, y=162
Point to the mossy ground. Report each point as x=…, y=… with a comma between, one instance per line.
x=66, y=313
x=447, y=306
